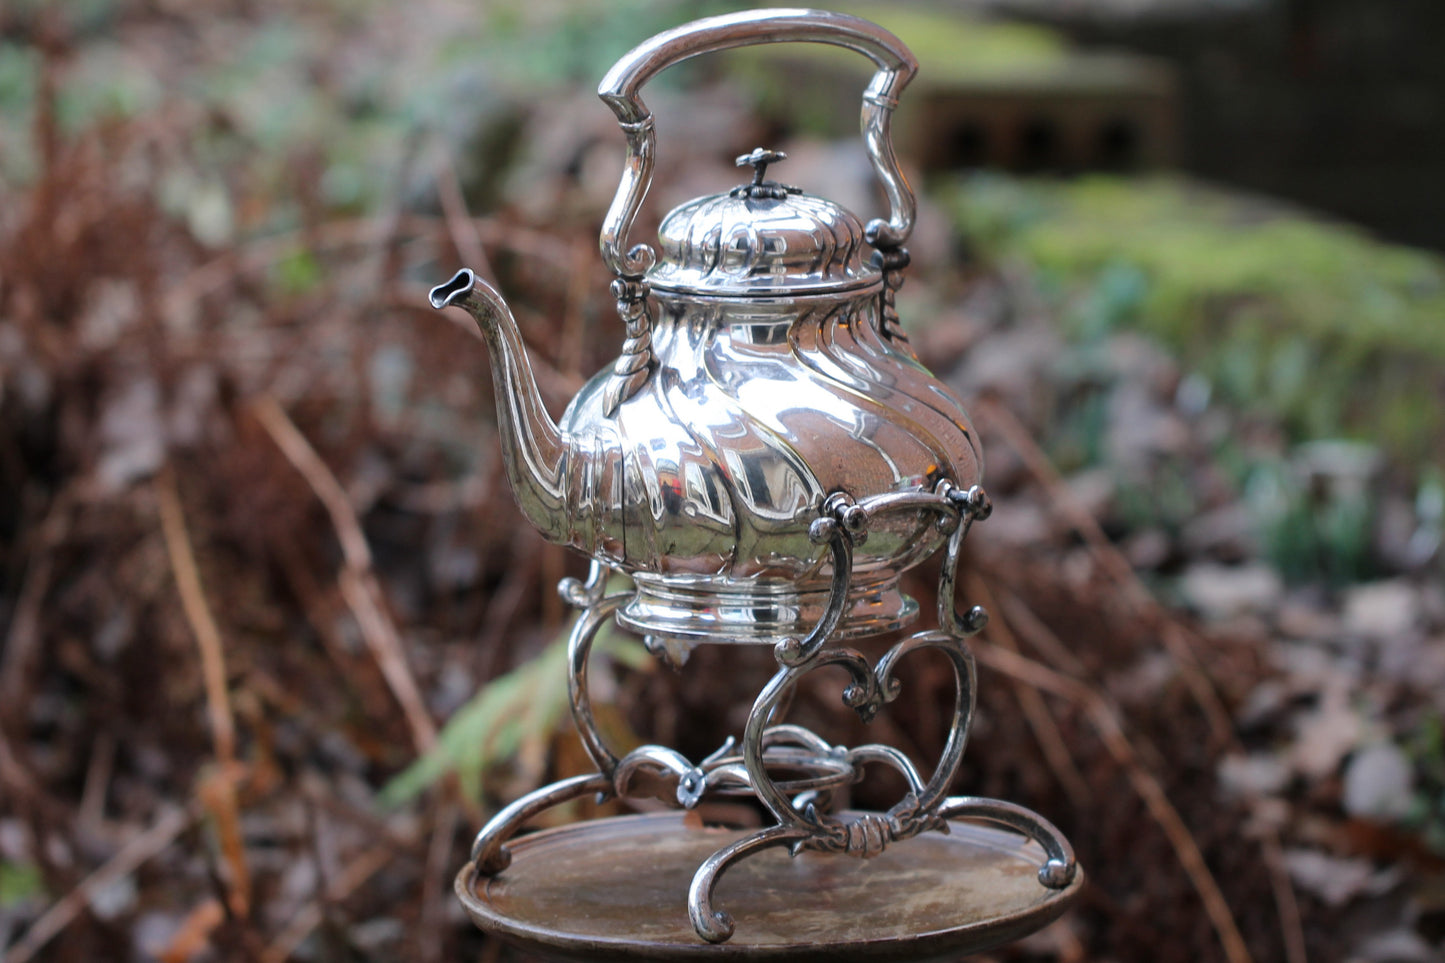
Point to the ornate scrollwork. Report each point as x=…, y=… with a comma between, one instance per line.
x=892, y=261
x=579, y=593
x=634, y=365
x=814, y=768
x=806, y=828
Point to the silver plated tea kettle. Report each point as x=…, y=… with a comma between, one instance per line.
x=764, y=381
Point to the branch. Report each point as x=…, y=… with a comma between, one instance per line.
x=122, y=864
x=1145, y=783
x=357, y=580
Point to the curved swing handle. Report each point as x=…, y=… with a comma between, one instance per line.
x=620, y=89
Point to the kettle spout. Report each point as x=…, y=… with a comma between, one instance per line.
x=534, y=450
x=454, y=291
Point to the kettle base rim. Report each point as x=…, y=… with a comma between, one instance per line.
x=760, y=611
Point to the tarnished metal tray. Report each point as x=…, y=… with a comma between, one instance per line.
x=616, y=889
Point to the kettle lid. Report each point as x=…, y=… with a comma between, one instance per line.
x=763, y=239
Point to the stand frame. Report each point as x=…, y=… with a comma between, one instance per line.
x=800, y=804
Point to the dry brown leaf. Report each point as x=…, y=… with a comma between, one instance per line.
x=194, y=934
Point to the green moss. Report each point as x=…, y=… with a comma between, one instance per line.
x=1319, y=324
x=1427, y=805
x=815, y=86
x=19, y=80
x=297, y=272
x=19, y=883
x=951, y=47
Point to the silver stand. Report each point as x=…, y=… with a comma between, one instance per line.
x=801, y=803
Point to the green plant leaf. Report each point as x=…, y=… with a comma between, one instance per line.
x=514, y=714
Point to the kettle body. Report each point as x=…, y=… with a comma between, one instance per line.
x=764, y=373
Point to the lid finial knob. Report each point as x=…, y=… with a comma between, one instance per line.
x=760, y=158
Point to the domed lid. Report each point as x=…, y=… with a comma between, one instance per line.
x=763, y=239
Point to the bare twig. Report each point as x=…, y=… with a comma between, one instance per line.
x=434, y=892
x=218, y=791
x=194, y=932
x=1179, y=640
x=384, y=261
x=303, y=458
x=574, y=319
x=323, y=858
x=1145, y=783
x=1036, y=711
x=97, y=781
x=23, y=634
x=198, y=614
x=319, y=610
x=357, y=580
x=1114, y=564
x=503, y=606
x=460, y=225
x=402, y=839
x=136, y=852
x=352, y=877
x=258, y=254
x=363, y=596
x=14, y=776
x=1291, y=925
x=1016, y=613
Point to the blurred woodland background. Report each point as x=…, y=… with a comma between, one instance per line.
x=274, y=639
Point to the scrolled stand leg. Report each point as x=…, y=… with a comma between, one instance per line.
x=1060, y=867
x=925, y=806
x=798, y=802
x=716, y=926
x=785, y=746
x=489, y=851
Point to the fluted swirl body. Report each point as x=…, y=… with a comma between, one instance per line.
x=705, y=482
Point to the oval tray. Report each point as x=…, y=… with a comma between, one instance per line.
x=616, y=889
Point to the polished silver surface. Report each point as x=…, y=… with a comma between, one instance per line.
x=762, y=239
x=621, y=90
x=763, y=372
x=791, y=771
x=704, y=483
x=763, y=460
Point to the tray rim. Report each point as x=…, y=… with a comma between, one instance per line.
x=972, y=937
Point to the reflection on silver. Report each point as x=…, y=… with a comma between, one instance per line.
x=759, y=377
x=764, y=459
x=703, y=484
x=789, y=769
